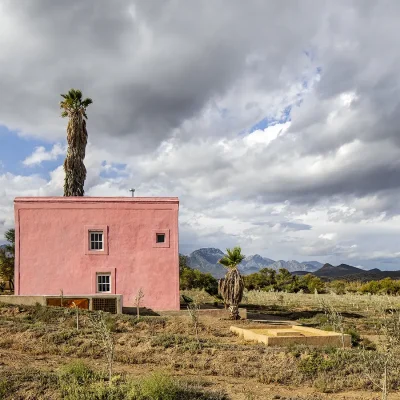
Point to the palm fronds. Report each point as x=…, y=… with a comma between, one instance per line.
x=233, y=258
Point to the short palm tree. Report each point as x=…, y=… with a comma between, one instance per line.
x=231, y=287
x=75, y=171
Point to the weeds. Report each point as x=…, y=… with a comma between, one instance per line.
x=168, y=340
x=74, y=306
x=105, y=338
x=334, y=317
x=45, y=331
x=193, y=309
x=383, y=365
x=160, y=386
x=78, y=382
x=138, y=300
x=315, y=363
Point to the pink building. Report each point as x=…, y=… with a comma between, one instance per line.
x=91, y=245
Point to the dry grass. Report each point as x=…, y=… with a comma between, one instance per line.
x=244, y=370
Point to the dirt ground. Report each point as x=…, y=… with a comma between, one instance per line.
x=39, y=339
x=236, y=388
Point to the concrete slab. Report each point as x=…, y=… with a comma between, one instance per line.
x=284, y=335
x=284, y=332
x=49, y=300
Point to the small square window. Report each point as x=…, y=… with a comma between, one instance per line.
x=96, y=241
x=103, y=283
x=160, y=238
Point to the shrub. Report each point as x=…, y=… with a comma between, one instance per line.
x=195, y=279
x=160, y=386
x=168, y=340
x=77, y=371
x=47, y=314
x=5, y=387
x=355, y=336
x=157, y=386
x=78, y=382
x=314, y=363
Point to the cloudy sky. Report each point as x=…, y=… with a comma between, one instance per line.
x=276, y=123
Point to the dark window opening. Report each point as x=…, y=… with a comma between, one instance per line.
x=160, y=238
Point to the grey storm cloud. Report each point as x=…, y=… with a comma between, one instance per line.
x=178, y=84
x=150, y=65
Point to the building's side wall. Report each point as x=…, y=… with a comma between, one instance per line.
x=51, y=252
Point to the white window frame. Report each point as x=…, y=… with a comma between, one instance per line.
x=99, y=284
x=93, y=232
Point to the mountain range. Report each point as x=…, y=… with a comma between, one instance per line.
x=350, y=273
x=206, y=260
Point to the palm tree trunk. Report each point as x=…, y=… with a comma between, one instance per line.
x=234, y=312
x=75, y=171
x=221, y=290
x=232, y=291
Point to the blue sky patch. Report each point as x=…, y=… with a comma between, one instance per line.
x=266, y=122
x=14, y=149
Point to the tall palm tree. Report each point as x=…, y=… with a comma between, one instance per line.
x=231, y=287
x=75, y=172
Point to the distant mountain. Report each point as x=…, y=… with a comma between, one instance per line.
x=329, y=271
x=372, y=275
x=293, y=266
x=350, y=273
x=315, y=264
x=374, y=271
x=206, y=260
x=252, y=264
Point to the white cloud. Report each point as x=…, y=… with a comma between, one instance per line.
x=328, y=236
x=40, y=154
x=175, y=118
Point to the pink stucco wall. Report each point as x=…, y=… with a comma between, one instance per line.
x=52, y=247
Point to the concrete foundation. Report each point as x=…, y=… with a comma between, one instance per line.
x=285, y=335
x=92, y=300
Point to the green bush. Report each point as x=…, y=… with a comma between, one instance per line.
x=5, y=387
x=77, y=371
x=47, y=314
x=355, y=336
x=157, y=386
x=314, y=363
x=195, y=279
x=160, y=386
x=77, y=381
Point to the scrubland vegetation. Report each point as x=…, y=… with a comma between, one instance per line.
x=283, y=281
x=45, y=356
x=49, y=353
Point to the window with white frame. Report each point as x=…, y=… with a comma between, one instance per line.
x=96, y=240
x=104, y=283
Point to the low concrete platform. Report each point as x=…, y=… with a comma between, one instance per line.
x=111, y=303
x=285, y=335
